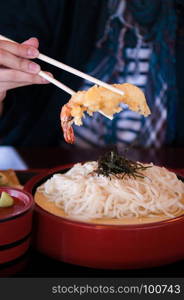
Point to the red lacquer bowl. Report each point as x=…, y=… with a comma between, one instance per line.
x=105, y=246
x=15, y=225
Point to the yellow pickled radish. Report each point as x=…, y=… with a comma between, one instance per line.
x=6, y=200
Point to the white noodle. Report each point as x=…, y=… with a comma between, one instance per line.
x=81, y=193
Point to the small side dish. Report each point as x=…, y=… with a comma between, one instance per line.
x=9, y=178
x=6, y=200
x=16, y=209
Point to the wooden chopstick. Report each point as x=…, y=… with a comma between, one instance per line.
x=65, y=88
x=79, y=73
x=73, y=71
x=57, y=83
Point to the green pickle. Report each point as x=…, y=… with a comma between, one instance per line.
x=6, y=200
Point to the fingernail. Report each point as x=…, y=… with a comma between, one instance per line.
x=45, y=80
x=34, y=68
x=50, y=74
x=33, y=52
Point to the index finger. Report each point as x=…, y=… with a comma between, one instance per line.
x=17, y=49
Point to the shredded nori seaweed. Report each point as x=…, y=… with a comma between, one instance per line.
x=113, y=164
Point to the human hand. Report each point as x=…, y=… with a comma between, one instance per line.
x=16, y=69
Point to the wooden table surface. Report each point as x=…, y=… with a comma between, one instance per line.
x=51, y=157
x=40, y=158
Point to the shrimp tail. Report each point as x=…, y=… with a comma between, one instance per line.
x=66, y=124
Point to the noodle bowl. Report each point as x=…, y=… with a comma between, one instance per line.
x=82, y=194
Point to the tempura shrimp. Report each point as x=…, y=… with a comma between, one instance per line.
x=98, y=98
x=66, y=124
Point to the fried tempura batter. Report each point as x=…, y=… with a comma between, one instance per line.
x=98, y=98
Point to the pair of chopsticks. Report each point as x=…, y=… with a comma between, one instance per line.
x=70, y=70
